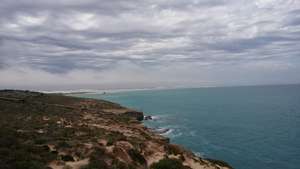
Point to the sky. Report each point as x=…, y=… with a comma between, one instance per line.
x=101, y=44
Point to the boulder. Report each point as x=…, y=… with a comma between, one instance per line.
x=148, y=118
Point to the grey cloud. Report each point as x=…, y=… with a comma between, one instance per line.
x=61, y=37
x=295, y=12
x=294, y=22
x=241, y=45
x=59, y=42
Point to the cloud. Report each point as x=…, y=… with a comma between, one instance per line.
x=201, y=40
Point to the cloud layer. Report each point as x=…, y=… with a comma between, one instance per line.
x=139, y=43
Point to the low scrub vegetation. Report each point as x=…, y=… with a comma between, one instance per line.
x=168, y=163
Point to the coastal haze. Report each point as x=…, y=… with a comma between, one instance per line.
x=94, y=44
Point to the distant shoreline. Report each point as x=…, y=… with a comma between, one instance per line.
x=108, y=91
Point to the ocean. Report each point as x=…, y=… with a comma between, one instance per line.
x=255, y=127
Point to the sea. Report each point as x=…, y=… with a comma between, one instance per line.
x=249, y=127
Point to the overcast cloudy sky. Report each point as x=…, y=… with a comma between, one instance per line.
x=69, y=44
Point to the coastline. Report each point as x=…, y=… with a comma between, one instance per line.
x=158, y=131
x=123, y=138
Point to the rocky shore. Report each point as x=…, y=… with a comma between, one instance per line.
x=52, y=131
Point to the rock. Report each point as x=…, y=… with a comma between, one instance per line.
x=135, y=114
x=148, y=118
x=162, y=130
x=219, y=162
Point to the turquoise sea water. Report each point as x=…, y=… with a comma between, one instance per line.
x=248, y=127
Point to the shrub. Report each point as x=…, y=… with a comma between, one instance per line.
x=67, y=167
x=63, y=144
x=96, y=164
x=117, y=164
x=173, y=149
x=29, y=165
x=114, y=137
x=110, y=141
x=168, y=164
x=136, y=156
x=67, y=158
x=40, y=141
x=97, y=160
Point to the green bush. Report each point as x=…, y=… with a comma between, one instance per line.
x=168, y=164
x=117, y=164
x=136, y=156
x=63, y=144
x=97, y=160
x=173, y=149
x=18, y=152
x=67, y=158
x=114, y=137
x=29, y=165
x=40, y=141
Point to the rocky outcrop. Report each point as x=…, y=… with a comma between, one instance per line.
x=135, y=114
x=55, y=131
x=147, y=117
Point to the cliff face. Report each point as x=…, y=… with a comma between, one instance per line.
x=59, y=132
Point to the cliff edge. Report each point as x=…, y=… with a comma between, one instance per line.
x=52, y=131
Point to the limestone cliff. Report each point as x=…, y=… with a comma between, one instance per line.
x=60, y=132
